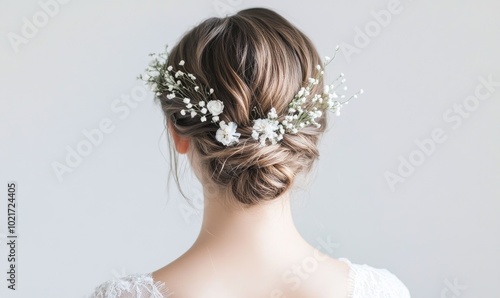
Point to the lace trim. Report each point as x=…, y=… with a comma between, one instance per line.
x=132, y=286
x=351, y=278
x=365, y=281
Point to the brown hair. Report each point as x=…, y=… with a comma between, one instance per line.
x=254, y=60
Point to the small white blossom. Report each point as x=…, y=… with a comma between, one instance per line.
x=204, y=110
x=186, y=100
x=154, y=87
x=201, y=103
x=203, y=118
x=272, y=114
x=170, y=68
x=181, y=63
x=179, y=74
x=183, y=112
x=265, y=129
x=193, y=113
x=227, y=134
x=215, y=118
x=215, y=107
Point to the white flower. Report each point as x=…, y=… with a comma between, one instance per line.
x=179, y=74
x=186, y=100
x=183, y=112
x=193, y=113
x=181, y=63
x=211, y=90
x=170, y=68
x=203, y=119
x=272, y=114
x=201, y=103
x=215, y=107
x=204, y=110
x=154, y=87
x=227, y=134
x=264, y=129
x=189, y=105
x=171, y=96
x=215, y=118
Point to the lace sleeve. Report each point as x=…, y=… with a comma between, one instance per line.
x=366, y=281
x=132, y=286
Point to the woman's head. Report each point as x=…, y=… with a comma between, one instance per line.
x=254, y=60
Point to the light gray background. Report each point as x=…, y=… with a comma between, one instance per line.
x=112, y=215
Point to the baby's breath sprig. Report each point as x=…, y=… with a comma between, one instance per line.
x=163, y=80
x=304, y=108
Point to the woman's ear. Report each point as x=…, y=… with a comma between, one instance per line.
x=181, y=143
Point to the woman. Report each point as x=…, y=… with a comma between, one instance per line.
x=244, y=98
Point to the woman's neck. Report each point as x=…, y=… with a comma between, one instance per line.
x=264, y=230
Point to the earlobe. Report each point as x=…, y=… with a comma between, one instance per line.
x=181, y=143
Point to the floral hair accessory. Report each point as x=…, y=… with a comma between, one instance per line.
x=163, y=80
x=303, y=110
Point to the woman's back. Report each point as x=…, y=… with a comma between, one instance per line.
x=330, y=279
x=222, y=271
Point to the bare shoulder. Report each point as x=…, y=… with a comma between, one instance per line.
x=312, y=275
x=326, y=277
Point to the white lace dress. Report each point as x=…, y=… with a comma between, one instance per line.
x=364, y=282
